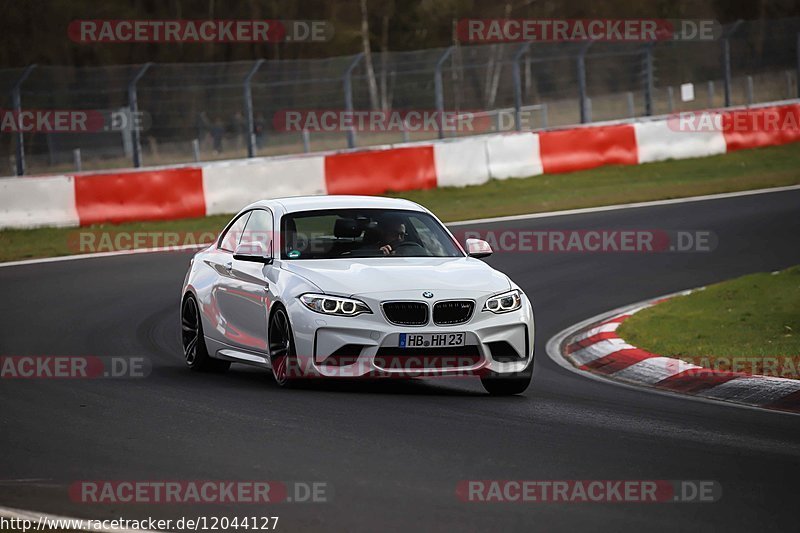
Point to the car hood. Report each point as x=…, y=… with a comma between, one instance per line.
x=388, y=274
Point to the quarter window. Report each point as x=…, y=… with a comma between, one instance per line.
x=259, y=229
x=233, y=234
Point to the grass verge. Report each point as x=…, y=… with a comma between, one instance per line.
x=749, y=169
x=749, y=324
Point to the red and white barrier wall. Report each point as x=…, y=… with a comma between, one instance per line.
x=226, y=187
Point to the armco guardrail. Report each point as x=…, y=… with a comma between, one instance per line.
x=193, y=191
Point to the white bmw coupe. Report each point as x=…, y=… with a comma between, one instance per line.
x=354, y=286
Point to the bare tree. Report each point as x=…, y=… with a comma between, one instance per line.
x=373, y=87
x=384, y=56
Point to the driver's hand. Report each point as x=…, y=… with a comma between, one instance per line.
x=387, y=249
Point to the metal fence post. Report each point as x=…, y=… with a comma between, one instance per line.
x=648, y=79
x=248, y=108
x=76, y=158
x=710, y=93
x=523, y=49
x=582, y=82
x=726, y=61
x=439, y=90
x=348, y=96
x=133, y=106
x=17, y=104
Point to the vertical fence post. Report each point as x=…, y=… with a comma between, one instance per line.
x=248, y=108
x=582, y=82
x=306, y=141
x=76, y=157
x=17, y=104
x=196, y=150
x=133, y=107
x=518, y=85
x=544, y=116
x=749, y=89
x=648, y=79
x=670, y=98
x=710, y=93
x=726, y=61
x=726, y=58
x=439, y=90
x=631, y=107
x=348, y=96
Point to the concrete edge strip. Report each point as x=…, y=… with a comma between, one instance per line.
x=39, y=520
x=549, y=214
x=749, y=392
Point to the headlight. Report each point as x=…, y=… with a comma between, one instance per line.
x=504, y=303
x=334, y=305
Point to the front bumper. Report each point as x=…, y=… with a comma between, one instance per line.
x=367, y=345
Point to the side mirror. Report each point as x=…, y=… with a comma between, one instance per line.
x=254, y=252
x=478, y=248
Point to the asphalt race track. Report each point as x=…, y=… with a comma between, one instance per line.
x=394, y=451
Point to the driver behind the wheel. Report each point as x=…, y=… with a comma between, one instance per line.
x=392, y=235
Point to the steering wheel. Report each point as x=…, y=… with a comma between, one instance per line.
x=408, y=245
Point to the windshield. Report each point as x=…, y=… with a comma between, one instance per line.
x=349, y=233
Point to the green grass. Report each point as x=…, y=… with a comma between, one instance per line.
x=749, y=169
x=756, y=316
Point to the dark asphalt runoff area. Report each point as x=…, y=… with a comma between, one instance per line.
x=393, y=452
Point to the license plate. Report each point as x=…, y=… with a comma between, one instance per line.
x=430, y=340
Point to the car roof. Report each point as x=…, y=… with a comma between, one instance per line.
x=294, y=204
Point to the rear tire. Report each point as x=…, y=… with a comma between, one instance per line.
x=508, y=384
x=282, y=353
x=193, y=341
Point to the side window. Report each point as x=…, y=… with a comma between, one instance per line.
x=231, y=238
x=259, y=229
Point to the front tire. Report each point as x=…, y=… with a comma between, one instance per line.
x=282, y=353
x=508, y=384
x=195, y=352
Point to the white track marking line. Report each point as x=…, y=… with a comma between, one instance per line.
x=653, y=203
x=581, y=211
x=103, y=254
